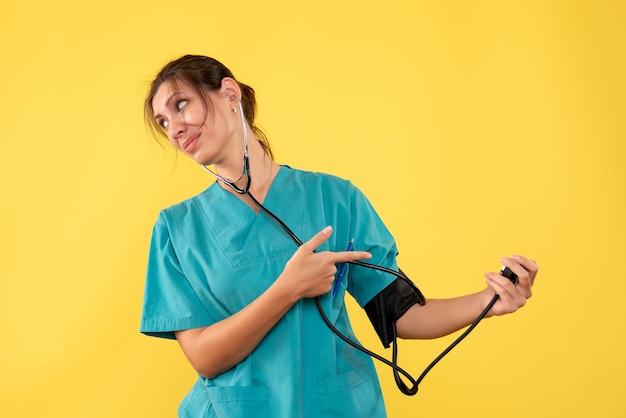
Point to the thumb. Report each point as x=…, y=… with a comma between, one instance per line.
x=318, y=239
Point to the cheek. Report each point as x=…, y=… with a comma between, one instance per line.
x=230, y=122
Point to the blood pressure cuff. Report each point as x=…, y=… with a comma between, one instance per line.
x=390, y=304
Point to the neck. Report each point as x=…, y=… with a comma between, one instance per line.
x=262, y=172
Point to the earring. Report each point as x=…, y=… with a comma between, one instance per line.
x=234, y=110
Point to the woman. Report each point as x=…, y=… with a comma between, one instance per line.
x=241, y=297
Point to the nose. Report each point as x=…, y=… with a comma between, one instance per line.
x=177, y=127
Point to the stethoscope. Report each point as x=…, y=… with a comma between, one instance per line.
x=397, y=371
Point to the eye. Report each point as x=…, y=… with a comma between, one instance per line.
x=163, y=124
x=181, y=104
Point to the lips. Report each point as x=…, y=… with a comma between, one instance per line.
x=189, y=143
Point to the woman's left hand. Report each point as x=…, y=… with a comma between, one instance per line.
x=512, y=297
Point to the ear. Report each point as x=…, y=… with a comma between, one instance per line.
x=230, y=88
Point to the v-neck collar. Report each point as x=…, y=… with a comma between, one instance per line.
x=223, y=193
x=238, y=229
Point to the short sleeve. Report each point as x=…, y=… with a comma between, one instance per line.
x=170, y=302
x=370, y=234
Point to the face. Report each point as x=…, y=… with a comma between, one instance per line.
x=206, y=135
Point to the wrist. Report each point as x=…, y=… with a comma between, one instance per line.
x=485, y=298
x=285, y=292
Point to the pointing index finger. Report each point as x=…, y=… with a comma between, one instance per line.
x=318, y=239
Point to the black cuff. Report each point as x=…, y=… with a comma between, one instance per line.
x=390, y=304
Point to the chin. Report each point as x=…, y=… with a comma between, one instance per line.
x=200, y=159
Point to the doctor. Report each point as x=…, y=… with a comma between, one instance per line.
x=237, y=294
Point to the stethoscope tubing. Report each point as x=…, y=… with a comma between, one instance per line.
x=397, y=370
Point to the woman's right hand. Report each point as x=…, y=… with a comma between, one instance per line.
x=308, y=273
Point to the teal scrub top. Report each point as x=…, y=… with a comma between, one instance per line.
x=212, y=255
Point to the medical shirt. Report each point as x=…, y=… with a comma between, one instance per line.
x=212, y=255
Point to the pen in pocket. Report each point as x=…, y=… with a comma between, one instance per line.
x=342, y=269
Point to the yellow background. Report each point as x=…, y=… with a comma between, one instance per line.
x=477, y=128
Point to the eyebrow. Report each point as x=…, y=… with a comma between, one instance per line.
x=167, y=103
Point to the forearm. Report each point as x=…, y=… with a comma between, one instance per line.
x=439, y=317
x=213, y=350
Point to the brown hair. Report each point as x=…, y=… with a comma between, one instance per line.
x=204, y=74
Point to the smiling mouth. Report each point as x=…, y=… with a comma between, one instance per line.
x=189, y=142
